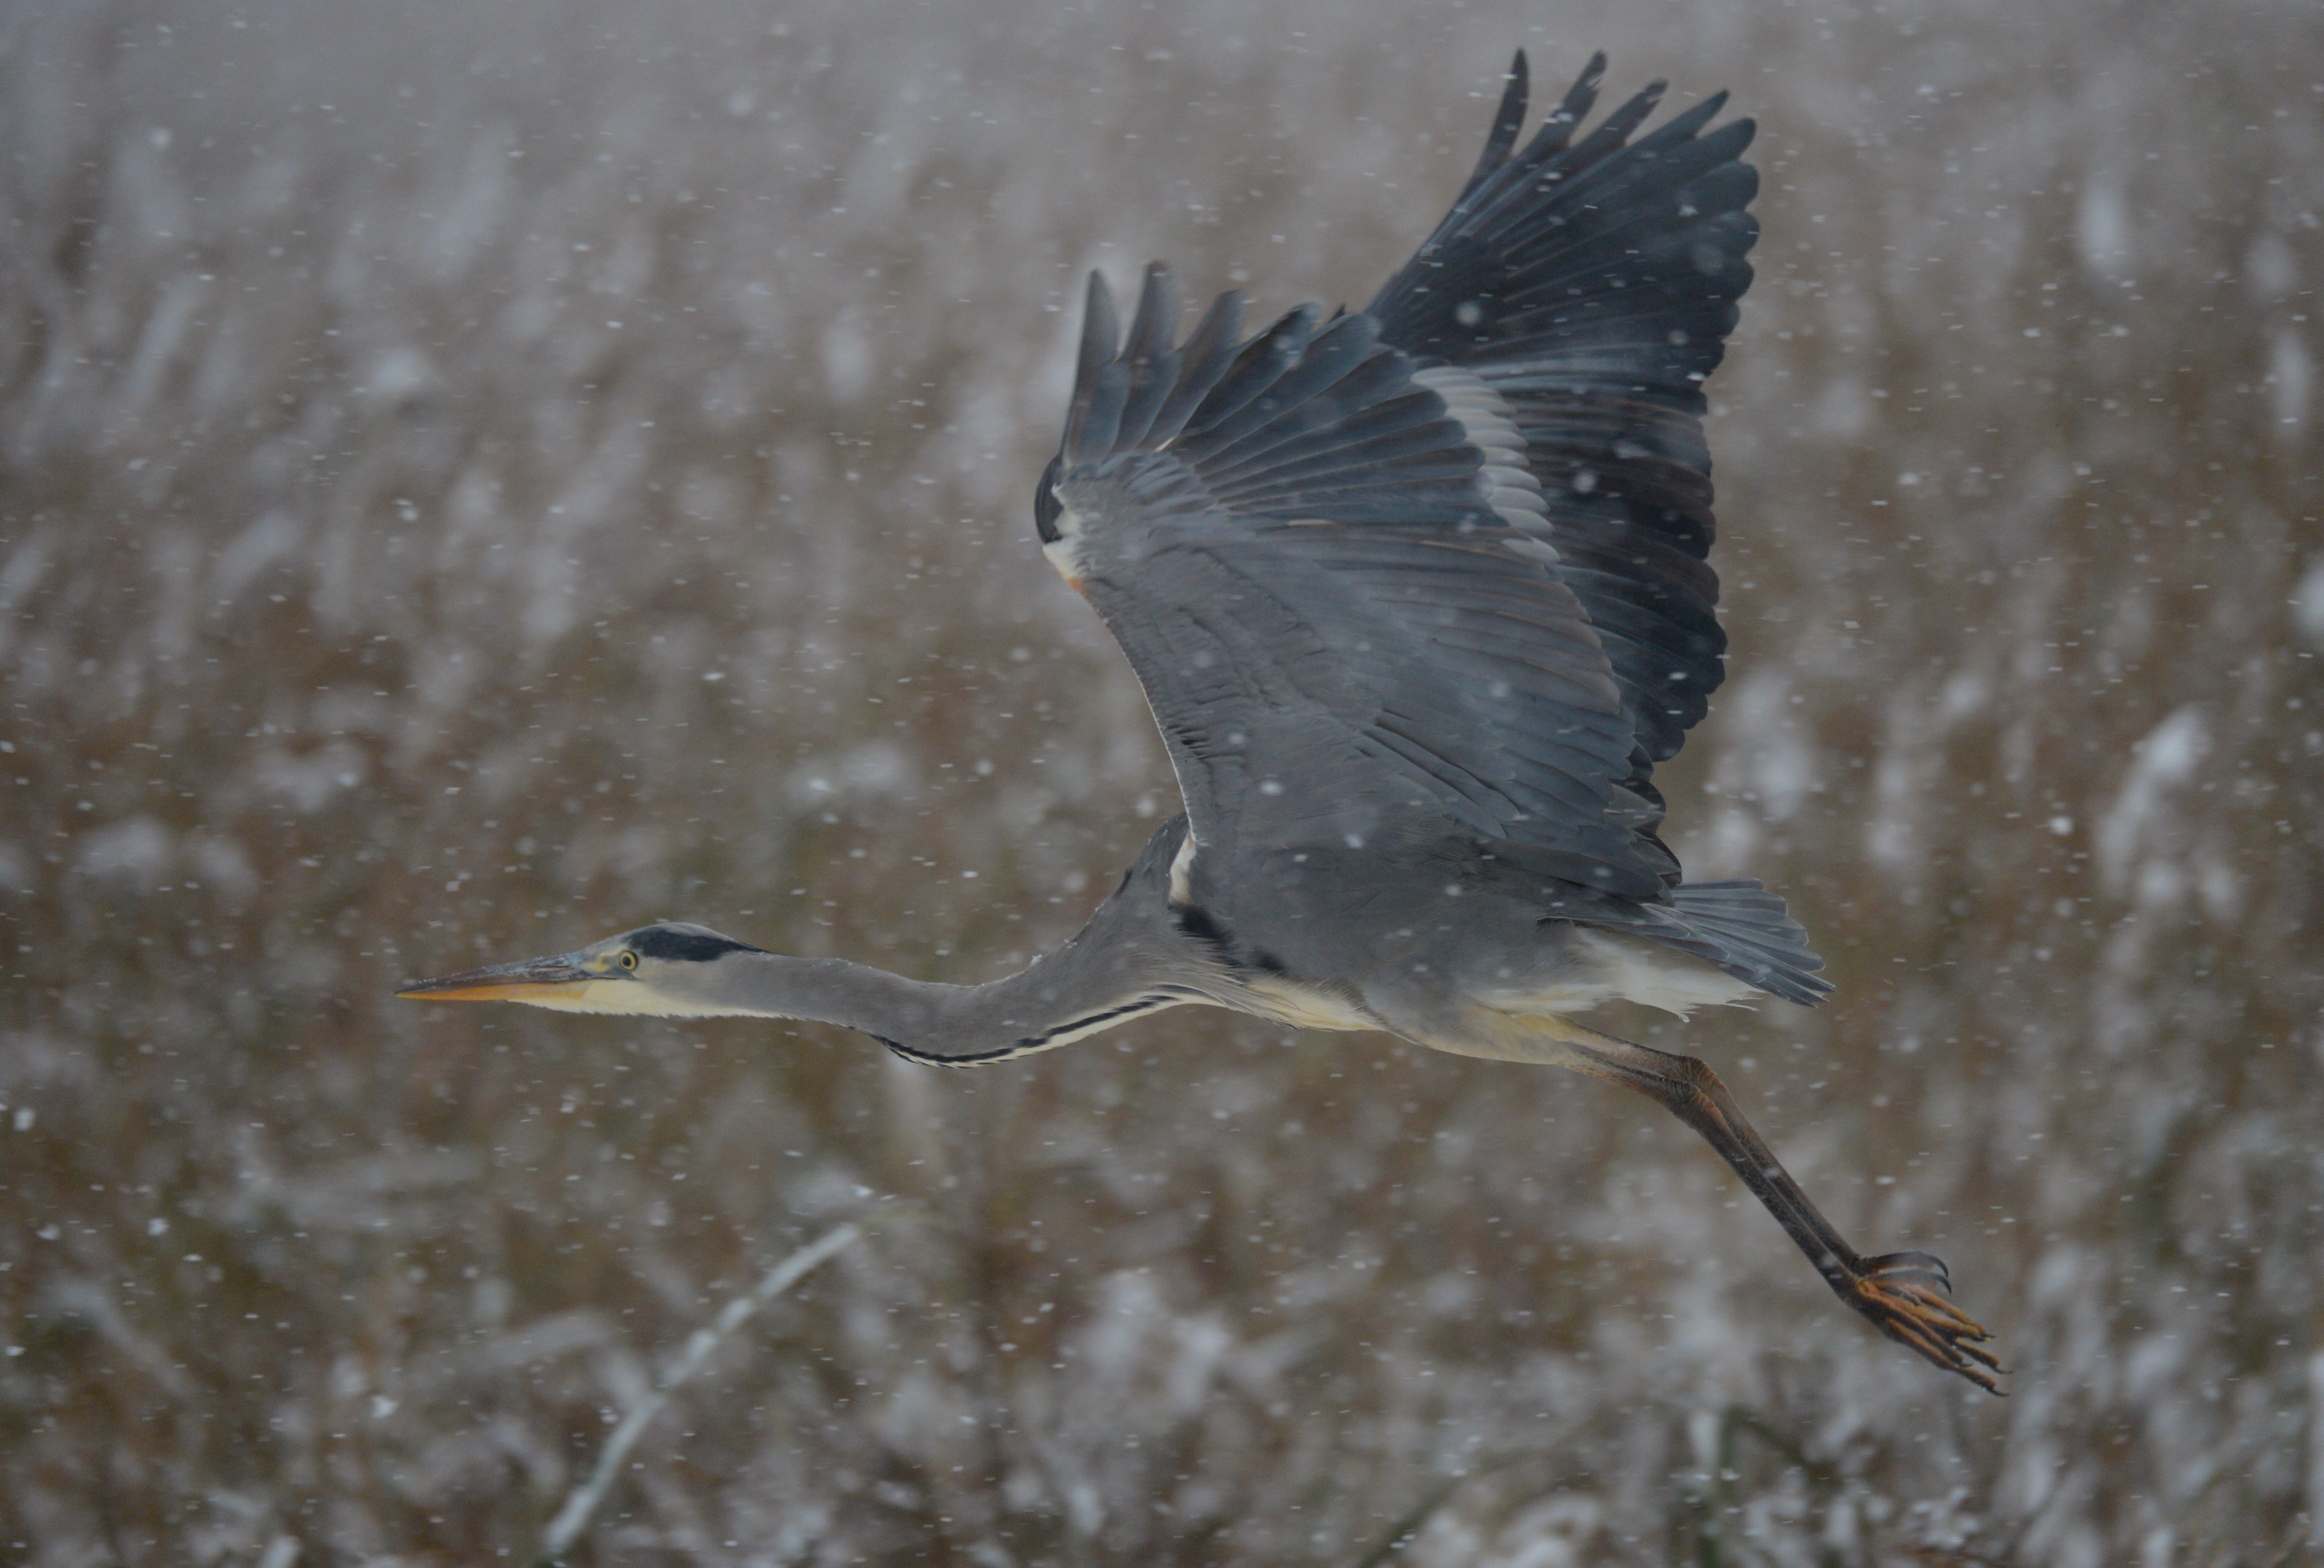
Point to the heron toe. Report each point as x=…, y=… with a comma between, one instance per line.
x=1904, y=1294
x=1924, y=1266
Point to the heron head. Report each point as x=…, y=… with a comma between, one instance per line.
x=660, y=970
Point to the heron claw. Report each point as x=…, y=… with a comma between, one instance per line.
x=1904, y=1294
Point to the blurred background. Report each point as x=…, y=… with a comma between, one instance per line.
x=475, y=477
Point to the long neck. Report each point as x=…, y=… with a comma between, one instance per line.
x=1130, y=959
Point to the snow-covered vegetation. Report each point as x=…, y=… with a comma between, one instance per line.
x=474, y=477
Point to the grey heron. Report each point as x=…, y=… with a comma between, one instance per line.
x=1419, y=596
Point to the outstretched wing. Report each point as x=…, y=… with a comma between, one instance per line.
x=1579, y=292
x=1333, y=592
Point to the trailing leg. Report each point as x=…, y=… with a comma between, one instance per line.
x=1904, y=1294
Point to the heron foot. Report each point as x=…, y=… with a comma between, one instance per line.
x=1906, y=1296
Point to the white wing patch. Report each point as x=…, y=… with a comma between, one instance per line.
x=1182, y=869
x=1065, y=551
x=1484, y=414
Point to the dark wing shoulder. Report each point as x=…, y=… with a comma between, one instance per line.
x=1582, y=290
x=1328, y=589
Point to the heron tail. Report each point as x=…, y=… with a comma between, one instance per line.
x=1744, y=928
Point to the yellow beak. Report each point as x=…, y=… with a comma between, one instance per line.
x=533, y=980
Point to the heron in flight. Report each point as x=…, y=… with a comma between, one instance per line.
x=1418, y=597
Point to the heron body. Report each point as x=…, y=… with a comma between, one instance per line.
x=1418, y=595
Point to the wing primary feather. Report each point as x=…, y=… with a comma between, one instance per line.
x=1157, y=314
x=1682, y=125
x=1150, y=381
x=1615, y=128
x=1292, y=394
x=1492, y=159
x=1101, y=384
x=1575, y=107
x=1262, y=363
x=1554, y=134
x=1506, y=122
x=1201, y=362
x=1602, y=185
x=1097, y=413
x=1101, y=331
x=1489, y=186
x=1153, y=365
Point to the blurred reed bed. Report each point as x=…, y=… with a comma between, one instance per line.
x=476, y=479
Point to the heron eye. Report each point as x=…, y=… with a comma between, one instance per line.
x=628, y=961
